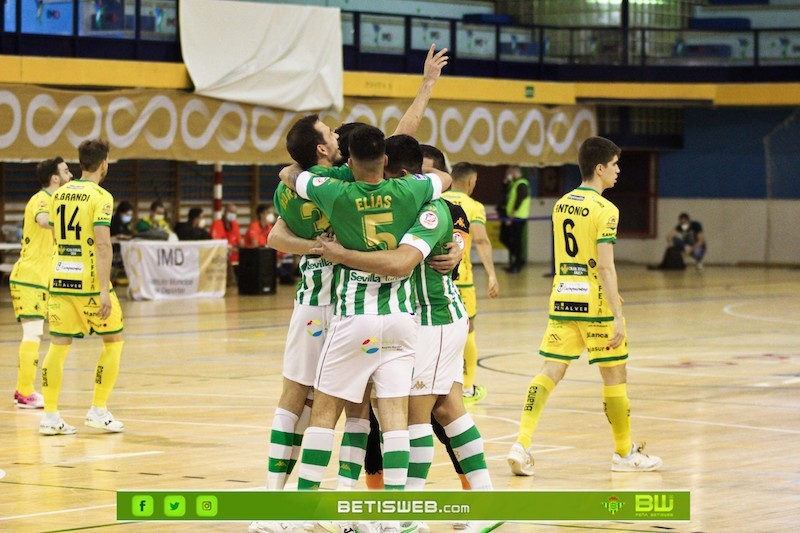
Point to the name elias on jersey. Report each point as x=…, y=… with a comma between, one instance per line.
x=572, y=210
x=373, y=201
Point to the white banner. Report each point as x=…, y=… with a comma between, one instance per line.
x=285, y=57
x=162, y=270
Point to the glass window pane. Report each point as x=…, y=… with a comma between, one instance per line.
x=425, y=32
x=518, y=44
x=475, y=41
x=10, y=13
x=384, y=35
x=779, y=47
x=107, y=18
x=348, y=30
x=51, y=17
x=159, y=20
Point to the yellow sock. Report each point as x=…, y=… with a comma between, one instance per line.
x=106, y=373
x=52, y=375
x=618, y=411
x=470, y=360
x=28, y=363
x=538, y=392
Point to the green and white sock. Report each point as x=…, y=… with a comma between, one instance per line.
x=280, y=448
x=316, y=456
x=352, y=452
x=421, y=457
x=467, y=444
x=396, y=454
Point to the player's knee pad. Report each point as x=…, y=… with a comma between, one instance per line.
x=32, y=330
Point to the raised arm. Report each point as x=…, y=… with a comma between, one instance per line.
x=288, y=175
x=608, y=279
x=484, y=247
x=281, y=238
x=434, y=63
x=399, y=262
x=445, y=178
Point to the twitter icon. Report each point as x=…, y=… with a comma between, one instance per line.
x=174, y=506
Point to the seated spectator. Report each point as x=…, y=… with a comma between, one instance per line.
x=121, y=222
x=227, y=228
x=258, y=231
x=194, y=227
x=688, y=236
x=154, y=225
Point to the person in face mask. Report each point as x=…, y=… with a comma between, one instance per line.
x=228, y=228
x=194, y=227
x=156, y=220
x=689, y=237
x=121, y=222
x=259, y=229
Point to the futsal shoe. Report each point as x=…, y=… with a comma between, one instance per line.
x=101, y=418
x=635, y=461
x=33, y=400
x=474, y=395
x=520, y=460
x=55, y=425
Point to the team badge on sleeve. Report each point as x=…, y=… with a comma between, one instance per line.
x=459, y=240
x=612, y=222
x=429, y=219
x=316, y=182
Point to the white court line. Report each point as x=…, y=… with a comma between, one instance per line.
x=90, y=458
x=4, y=518
x=171, y=393
x=728, y=311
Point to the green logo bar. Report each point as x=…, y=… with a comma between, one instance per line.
x=402, y=505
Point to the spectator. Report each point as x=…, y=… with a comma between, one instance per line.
x=258, y=231
x=227, y=228
x=121, y=222
x=154, y=225
x=688, y=237
x=517, y=209
x=194, y=227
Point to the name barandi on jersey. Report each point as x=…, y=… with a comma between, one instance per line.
x=71, y=197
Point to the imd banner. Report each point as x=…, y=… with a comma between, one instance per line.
x=38, y=123
x=163, y=270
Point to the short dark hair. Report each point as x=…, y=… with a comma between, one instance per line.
x=344, y=131
x=367, y=144
x=155, y=204
x=195, y=213
x=436, y=155
x=595, y=151
x=124, y=207
x=47, y=169
x=302, y=141
x=403, y=152
x=463, y=170
x=684, y=215
x=261, y=209
x=92, y=153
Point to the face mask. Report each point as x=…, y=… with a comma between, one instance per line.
x=684, y=227
x=270, y=218
x=202, y=223
x=230, y=217
x=158, y=218
x=126, y=218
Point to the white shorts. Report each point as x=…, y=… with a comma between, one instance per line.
x=360, y=347
x=440, y=358
x=308, y=328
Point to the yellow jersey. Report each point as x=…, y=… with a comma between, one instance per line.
x=37, y=245
x=476, y=213
x=77, y=208
x=581, y=220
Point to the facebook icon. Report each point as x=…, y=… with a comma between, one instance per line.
x=142, y=506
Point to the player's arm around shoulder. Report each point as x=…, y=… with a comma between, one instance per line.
x=399, y=262
x=283, y=239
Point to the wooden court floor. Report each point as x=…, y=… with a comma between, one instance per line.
x=714, y=384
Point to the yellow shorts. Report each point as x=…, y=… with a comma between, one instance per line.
x=565, y=340
x=76, y=316
x=30, y=301
x=468, y=297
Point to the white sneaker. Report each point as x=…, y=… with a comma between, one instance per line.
x=102, y=418
x=636, y=461
x=55, y=426
x=278, y=527
x=482, y=526
x=520, y=460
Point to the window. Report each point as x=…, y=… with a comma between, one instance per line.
x=50, y=17
x=158, y=20
x=107, y=18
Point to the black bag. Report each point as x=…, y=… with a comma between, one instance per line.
x=673, y=259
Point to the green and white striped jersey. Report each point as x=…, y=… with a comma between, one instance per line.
x=438, y=300
x=366, y=217
x=306, y=220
